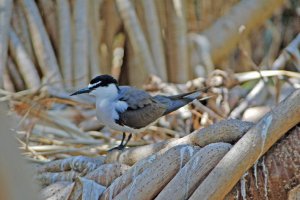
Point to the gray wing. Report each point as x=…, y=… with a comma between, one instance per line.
x=142, y=109
x=134, y=97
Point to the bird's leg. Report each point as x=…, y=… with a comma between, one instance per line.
x=123, y=138
x=122, y=145
x=129, y=137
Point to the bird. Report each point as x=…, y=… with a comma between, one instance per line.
x=128, y=109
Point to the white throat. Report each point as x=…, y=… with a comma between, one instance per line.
x=108, y=106
x=109, y=92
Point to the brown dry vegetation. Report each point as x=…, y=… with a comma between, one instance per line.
x=240, y=143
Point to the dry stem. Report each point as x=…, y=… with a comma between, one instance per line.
x=65, y=41
x=137, y=39
x=41, y=43
x=80, y=54
x=5, y=15
x=155, y=37
x=149, y=183
x=177, y=49
x=224, y=131
x=250, y=148
x=27, y=68
x=224, y=34
x=191, y=175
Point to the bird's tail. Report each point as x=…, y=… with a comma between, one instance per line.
x=189, y=95
x=177, y=101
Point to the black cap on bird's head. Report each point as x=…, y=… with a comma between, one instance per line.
x=98, y=81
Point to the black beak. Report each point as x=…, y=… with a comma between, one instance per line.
x=82, y=91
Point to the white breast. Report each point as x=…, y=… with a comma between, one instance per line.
x=108, y=106
x=107, y=113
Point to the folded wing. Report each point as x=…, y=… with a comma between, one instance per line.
x=142, y=109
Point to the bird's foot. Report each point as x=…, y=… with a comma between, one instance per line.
x=123, y=145
x=120, y=147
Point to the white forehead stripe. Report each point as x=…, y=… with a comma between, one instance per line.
x=92, y=85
